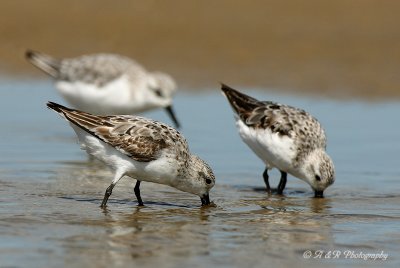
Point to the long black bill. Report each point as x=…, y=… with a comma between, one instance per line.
x=171, y=113
x=205, y=200
x=319, y=194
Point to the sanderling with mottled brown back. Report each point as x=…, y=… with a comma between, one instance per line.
x=141, y=148
x=283, y=137
x=105, y=84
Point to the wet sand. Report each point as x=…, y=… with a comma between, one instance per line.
x=50, y=194
x=342, y=49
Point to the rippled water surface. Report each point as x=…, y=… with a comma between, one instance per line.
x=50, y=193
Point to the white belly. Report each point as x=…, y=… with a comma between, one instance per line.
x=163, y=170
x=116, y=97
x=273, y=149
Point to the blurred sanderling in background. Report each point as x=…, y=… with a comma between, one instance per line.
x=108, y=84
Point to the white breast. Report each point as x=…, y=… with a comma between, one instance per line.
x=162, y=170
x=116, y=97
x=273, y=149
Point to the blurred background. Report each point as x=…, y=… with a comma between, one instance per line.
x=339, y=60
x=341, y=49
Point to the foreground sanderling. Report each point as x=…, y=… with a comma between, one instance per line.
x=284, y=137
x=140, y=148
x=108, y=83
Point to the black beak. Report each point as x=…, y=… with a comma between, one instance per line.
x=171, y=113
x=205, y=200
x=319, y=194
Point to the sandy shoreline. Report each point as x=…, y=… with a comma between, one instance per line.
x=337, y=48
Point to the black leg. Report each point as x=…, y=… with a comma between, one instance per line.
x=137, y=193
x=266, y=180
x=107, y=195
x=282, y=182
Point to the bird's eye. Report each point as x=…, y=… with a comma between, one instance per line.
x=318, y=178
x=158, y=92
x=208, y=181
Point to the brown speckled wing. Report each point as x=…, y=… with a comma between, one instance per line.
x=256, y=113
x=241, y=103
x=139, y=138
x=283, y=119
x=290, y=121
x=98, y=69
x=142, y=147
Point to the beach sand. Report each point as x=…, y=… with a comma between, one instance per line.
x=340, y=49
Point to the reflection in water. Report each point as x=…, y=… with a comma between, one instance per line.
x=50, y=196
x=247, y=225
x=320, y=205
x=152, y=232
x=242, y=221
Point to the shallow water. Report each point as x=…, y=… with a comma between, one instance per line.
x=50, y=193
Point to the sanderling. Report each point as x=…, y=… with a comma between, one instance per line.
x=107, y=84
x=140, y=148
x=284, y=137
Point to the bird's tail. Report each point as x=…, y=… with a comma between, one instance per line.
x=44, y=62
x=84, y=120
x=241, y=103
x=58, y=107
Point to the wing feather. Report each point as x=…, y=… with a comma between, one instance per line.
x=141, y=139
x=99, y=69
x=282, y=119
